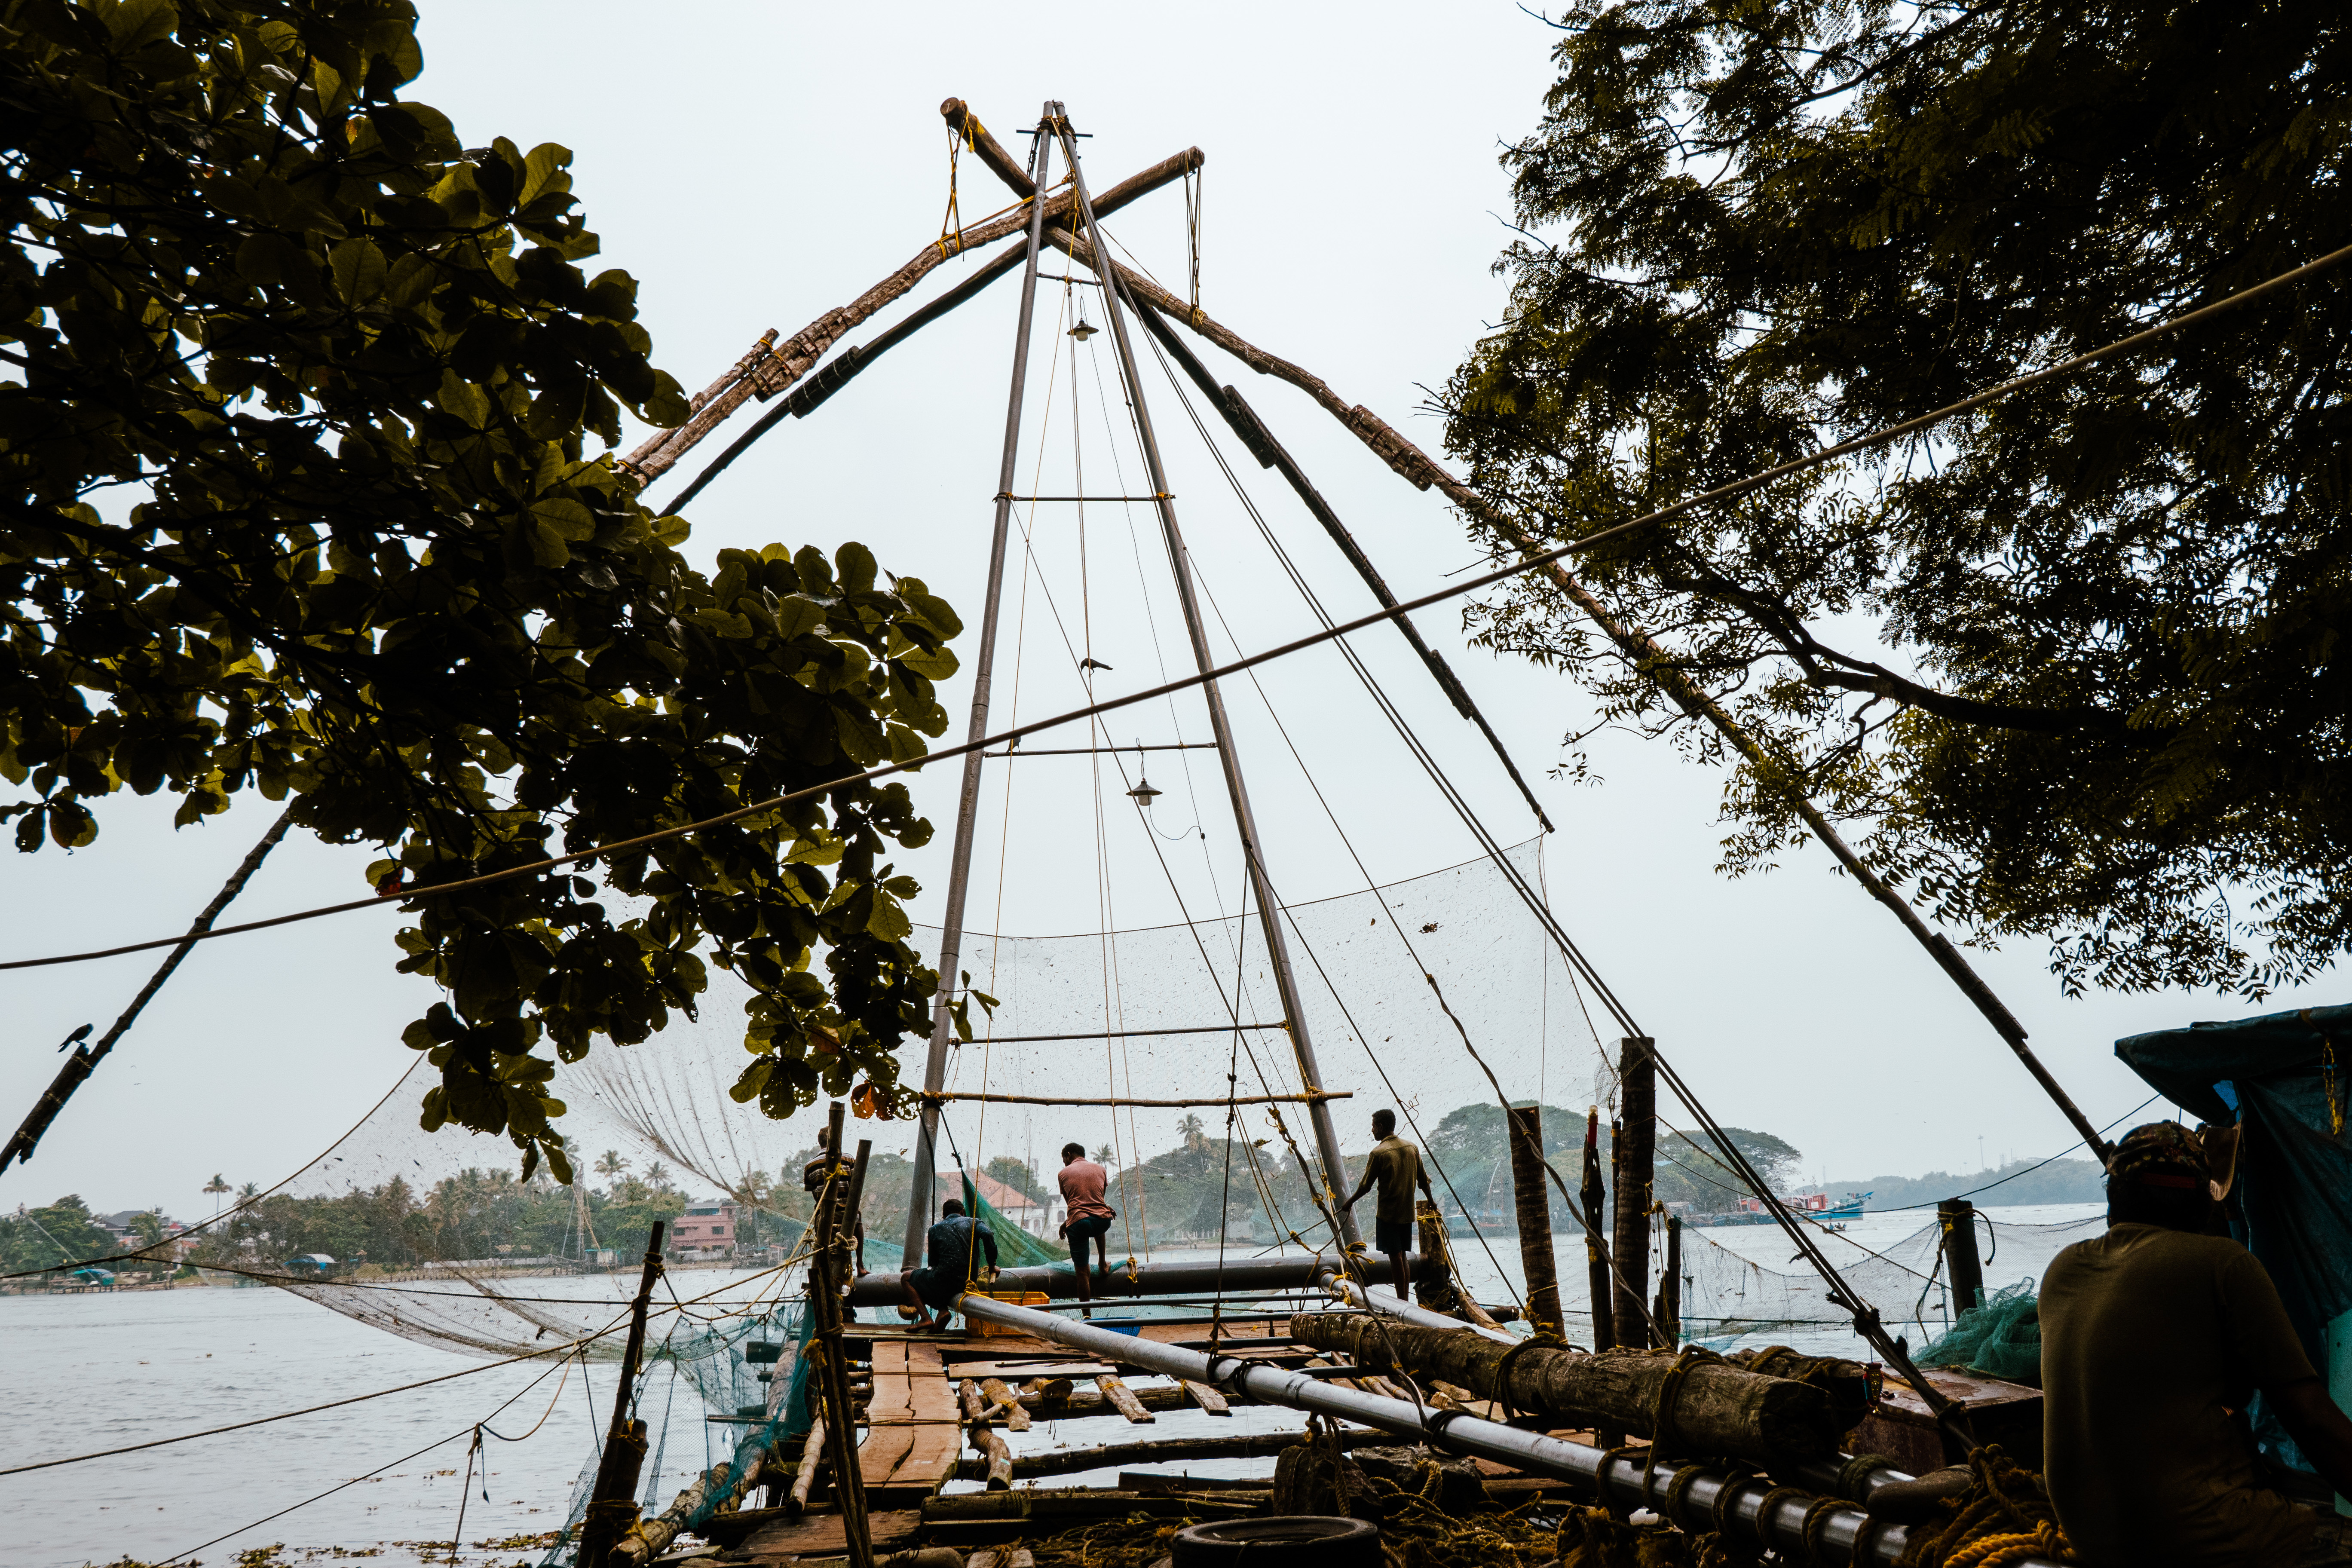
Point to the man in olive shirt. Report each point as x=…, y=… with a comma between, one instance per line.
x=2154, y=1336
x=1395, y=1164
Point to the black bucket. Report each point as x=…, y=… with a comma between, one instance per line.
x=1291, y=1540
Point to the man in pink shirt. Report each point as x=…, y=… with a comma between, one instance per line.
x=1088, y=1218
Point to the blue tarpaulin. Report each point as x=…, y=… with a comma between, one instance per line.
x=2284, y=1079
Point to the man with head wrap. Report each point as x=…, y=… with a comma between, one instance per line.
x=2154, y=1337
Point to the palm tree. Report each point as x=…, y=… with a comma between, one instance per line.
x=611, y=1164
x=1193, y=1130
x=216, y=1187
x=1103, y=1155
x=657, y=1176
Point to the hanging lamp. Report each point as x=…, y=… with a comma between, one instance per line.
x=1085, y=329
x=1143, y=794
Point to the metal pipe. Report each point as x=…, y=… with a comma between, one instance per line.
x=1269, y=910
x=1782, y=1524
x=935, y=1065
x=1060, y=1280
x=1406, y=1312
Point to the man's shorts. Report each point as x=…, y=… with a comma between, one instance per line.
x=1082, y=1231
x=937, y=1289
x=1393, y=1235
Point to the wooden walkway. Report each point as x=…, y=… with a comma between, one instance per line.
x=916, y=1430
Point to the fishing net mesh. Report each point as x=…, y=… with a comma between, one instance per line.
x=438, y=1238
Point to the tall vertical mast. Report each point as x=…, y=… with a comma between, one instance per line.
x=1327, y=1137
x=935, y=1066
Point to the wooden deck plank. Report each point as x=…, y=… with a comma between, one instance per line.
x=820, y=1535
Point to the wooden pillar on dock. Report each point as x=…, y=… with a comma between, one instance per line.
x=1592, y=1195
x=1957, y=1217
x=1531, y=1190
x=828, y=1280
x=1637, y=1105
x=612, y=1501
x=1669, y=1308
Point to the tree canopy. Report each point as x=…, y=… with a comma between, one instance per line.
x=2071, y=665
x=301, y=499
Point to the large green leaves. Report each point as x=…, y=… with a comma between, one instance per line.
x=2113, y=706
x=332, y=379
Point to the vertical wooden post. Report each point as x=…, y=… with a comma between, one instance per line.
x=612, y=1501
x=826, y=1277
x=1957, y=1217
x=1637, y=1092
x=1532, y=1197
x=1670, y=1286
x=1592, y=1195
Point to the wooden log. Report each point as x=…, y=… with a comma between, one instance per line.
x=1716, y=1408
x=1637, y=1092
x=812, y=1460
x=1847, y=1383
x=787, y=361
x=1122, y=1399
x=1531, y=1196
x=1670, y=1284
x=1208, y=1398
x=1050, y=1390
x=975, y=1408
x=966, y=124
x=999, y=1474
x=1003, y=1399
x=1958, y=1218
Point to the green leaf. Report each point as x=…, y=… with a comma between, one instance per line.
x=359, y=270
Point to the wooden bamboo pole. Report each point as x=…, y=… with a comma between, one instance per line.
x=1670, y=1285
x=966, y=124
x=1592, y=1195
x=1957, y=1219
x=1122, y=1399
x=777, y=367
x=1636, y=1145
x=1531, y=1195
x=999, y=1474
x=611, y=1507
x=811, y=1461
x=827, y=1281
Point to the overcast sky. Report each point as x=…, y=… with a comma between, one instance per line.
x=757, y=164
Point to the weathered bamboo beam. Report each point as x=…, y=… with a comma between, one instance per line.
x=1715, y=1408
x=1053, y=1389
x=1208, y=1398
x=784, y=364
x=966, y=124
x=1003, y=1398
x=1591, y=1194
x=1123, y=1400
x=811, y=1461
x=999, y=1472
x=1531, y=1196
x=1637, y=1151
x=975, y=1408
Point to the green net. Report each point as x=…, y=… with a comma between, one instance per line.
x=2001, y=1339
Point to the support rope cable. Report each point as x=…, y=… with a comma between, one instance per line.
x=1836, y=1282
x=340, y=1486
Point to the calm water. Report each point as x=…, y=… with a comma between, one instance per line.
x=98, y=1371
